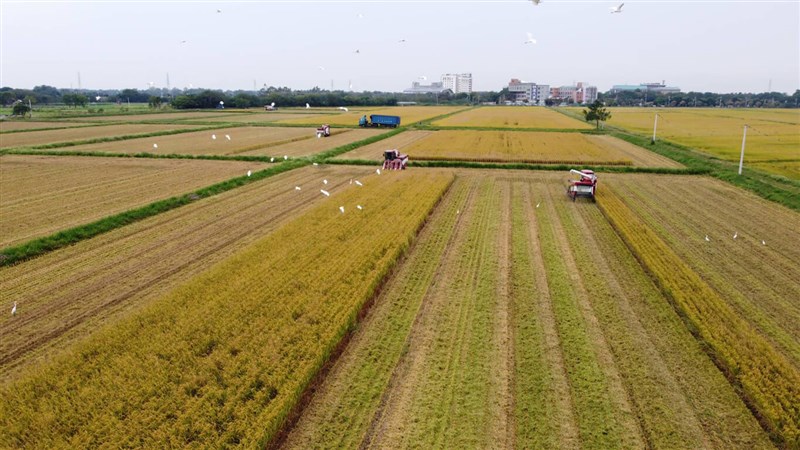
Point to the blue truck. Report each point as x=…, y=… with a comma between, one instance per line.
x=377, y=120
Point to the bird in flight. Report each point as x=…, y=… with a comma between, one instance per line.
x=530, y=39
x=344, y=109
x=536, y=2
x=320, y=68
x=617, y=9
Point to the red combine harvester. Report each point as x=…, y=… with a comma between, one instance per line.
x=393, y=160
x=324, y=131
x=584, y=187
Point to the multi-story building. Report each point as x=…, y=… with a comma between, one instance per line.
x=646, y=87
x=527, y=92
x=458, y=82
x=579, y=93
x=417, y=88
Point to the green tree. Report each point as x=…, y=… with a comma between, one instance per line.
x=597, y=111
x=20, y=109
x=154, y=101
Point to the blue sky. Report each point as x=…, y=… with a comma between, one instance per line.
x=718, y=46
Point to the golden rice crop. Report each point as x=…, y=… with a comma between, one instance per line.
x=82, y=133
x=375, y=150
x=155, y=116
x=516, y=146
x=768, y=380
x=773, y=134
x=221, y=360
x=512, y=117
x=45, y=194
x=305, y=147
x=408, y=115
x=243, y=139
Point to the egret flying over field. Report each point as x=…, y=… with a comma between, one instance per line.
x=735, y=234
x=325, y=193
x=324, y=181
x=359, y=183
x=360, y=16
x=359, y=207
x=536, y=2
x=344, y=109
x=214, y=137
x=183, y=42
x=378, y=171
x=248, y=173
x=401, y=41
x=320, y=68
x=219, y=11
x=707, y=239
x=228, y=137
x=530, y=39
x=341, y=208
x=297, y=188
x=357, y=51
x=97, y=98
x=617, y=9
x=155, y=145
x=14, y=309
x=272, y=104
x=308, y=106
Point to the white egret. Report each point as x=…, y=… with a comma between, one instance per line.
x=308, y=106
x=401, y=41
x=763, y=242
x=325, y=193
x=530, y=39
x=320, y=68
x=344, y=109
x=297, y=188
x=536, y=2
x=359, y=183
x=14, y=309
x=155, y=145
x=707, y=239
x=617, y=9
x=228, y=137
x=272, y=104
x=97, y=98
x=735, y=234
x=272, y=159
x=316, y=164
x=359, y=207
x=248, y=173
x=285, y=157
x=378, y=171
x=341, y=208
x=324, y=181
x=214, y=137
x=537, y=205
x=422, y=77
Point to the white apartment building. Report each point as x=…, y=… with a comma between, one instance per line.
x=457, y=82
x=526, y=92
x=579, y=93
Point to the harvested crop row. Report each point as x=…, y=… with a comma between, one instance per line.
x=311, y=146
x=511, y=117
x=45, y=194
x=169, y=376
x=150, y=117
x=84, y=133
x=532, y=147
x=20, y=125
x=209, y=142
x=73, y=291
x=769, y=382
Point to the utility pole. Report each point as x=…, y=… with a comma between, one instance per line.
x=655, y=124
x=741, y=158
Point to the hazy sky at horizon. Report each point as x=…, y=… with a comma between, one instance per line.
x=718, y=46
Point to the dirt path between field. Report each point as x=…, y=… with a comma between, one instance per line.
x=568, y=436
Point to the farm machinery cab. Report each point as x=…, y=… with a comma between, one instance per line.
x=393, y=160
x=583, y=187
x=324, y=131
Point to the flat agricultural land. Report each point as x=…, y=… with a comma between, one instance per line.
x=33, y=138
x=512, y=117
x=155, y=116
x=313, y=145
x=242, y=140
x=46, y=194
x=532, y=147
x=25, y=125
x=263, y=117
x=408, y=115
x=374, y=151
x=773, y=135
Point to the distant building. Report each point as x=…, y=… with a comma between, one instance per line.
x=646, y=87
x=579, y=93
x=527, y=92
x=417, y=88
x=458, y=83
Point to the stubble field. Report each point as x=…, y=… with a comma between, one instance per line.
x=511, y=117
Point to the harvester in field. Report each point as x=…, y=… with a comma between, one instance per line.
x=324, y=131
x=393, y=160
x=583, y=187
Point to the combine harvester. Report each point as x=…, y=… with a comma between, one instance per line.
x=584, y=187
x=324, y=131
x=393, y=160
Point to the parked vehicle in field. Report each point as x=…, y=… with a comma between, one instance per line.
x=324, y=131
x=585, y=186
x=378, y=120
x=393, y=160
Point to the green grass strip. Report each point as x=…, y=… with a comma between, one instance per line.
x=523, y=166
x=40, y=246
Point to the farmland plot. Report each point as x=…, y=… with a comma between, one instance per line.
x=264, y=117
x=168, y=376
x=18, y=125
x=45, y=194
x=511, y=117
x=375, y=150
x=155, y=116
x=306, y=147
x=73, y=290
x=33, y=138
x=532, y=147
x=512, y=325
x=408, y=115
x=242, y=140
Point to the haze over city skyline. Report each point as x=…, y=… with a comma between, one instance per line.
x=716, y=46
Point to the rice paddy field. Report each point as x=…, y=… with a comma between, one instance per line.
x=262, y=117
x=19, y=125
x=511, y=117
x=773, y=136
x=159, y=116
x=532, y=147
x=408, y=115
x=45, y=194
x=321, y=305
x=29, y=139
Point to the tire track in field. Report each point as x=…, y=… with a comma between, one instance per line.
x=563, y=401
x=398, y=392
x=630, y=431
x=55, y=309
